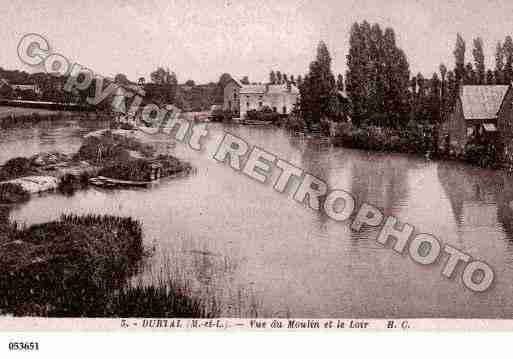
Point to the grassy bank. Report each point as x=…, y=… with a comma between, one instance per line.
x=78, y=266
x=20, y=117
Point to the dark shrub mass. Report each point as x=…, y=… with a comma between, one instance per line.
x=15, y=168
x=109, y=147
x=79, y=266
x=13, y=193
x=67, y=267
x=136, y=170
x=263, y=115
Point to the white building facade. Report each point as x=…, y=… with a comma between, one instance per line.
x=243, y=98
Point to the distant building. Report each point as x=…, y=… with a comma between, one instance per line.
x=243, y=98
x=481, y=110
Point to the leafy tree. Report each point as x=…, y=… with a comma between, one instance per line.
x=163, y=76
x=443, y=73
x=508, y=54
x=378, y=76
x=470, y=75
x=245, y=80
x=479, y=61
x=318, y=88
x=435, y=104
x=499, y=64
x=164, y=86
x=190, y=83
x=490, y=78
x=272, y=78
x=6, y=92
x=221, y=84
x=279, y=78
x=452, y=90
x=459, y=55
x=121, y=79
x=340, y=82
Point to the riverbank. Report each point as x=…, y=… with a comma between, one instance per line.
x=419, y=140
x=78, y=266
x=11, y=116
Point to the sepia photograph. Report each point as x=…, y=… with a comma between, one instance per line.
x=256, y=165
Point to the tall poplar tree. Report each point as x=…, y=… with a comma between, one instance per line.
x=459, y=56
x=479, y=61
x=508, y=54
x=318, y=88
x=378, y=76
x=499, y=64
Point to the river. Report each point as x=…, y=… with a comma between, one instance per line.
x=260, y=253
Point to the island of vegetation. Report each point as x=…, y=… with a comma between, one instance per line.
x=125, y=156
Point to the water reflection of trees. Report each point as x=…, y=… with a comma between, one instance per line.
x=478, y=197
x=316, y=161
x=380, y=180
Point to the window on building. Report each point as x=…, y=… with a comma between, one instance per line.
x=260, y=104
x=470, y=131
x=284, y=109
x=247, y=104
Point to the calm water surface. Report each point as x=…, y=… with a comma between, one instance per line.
x=262, y=254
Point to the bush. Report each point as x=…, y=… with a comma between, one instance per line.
x=295, y=123
x=136, y=170
x=412, y=139
x=13, y=193
x=219, y=115
x=264, y=115
x=481, y=154
x=15, y=168
x=109, y=147
x=68, y=267
x=172, y=165
x=141, y=169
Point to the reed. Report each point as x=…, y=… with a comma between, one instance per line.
x=79, y=266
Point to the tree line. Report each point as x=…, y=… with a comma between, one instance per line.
x=379, y=84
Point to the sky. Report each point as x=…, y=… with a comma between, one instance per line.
x=201, y=39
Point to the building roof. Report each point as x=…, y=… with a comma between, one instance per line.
x=252, y=89
x=278, y=89
x=237, y=82
x=482, y=102
x=268, y=89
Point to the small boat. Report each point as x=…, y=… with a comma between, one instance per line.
x=101, y=181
